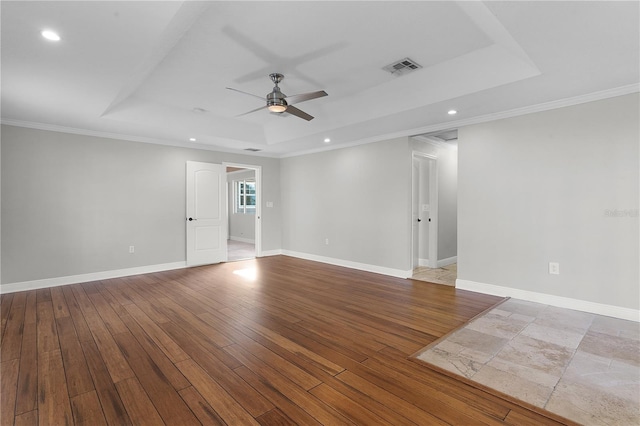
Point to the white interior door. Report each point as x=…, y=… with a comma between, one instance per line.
x=424, y=211
x=415, y=214
x=206, y=213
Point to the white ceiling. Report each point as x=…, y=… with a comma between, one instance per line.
x=146, y=70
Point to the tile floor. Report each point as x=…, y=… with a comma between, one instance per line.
x=446, y=275
x=237, y=250
x=582, y=366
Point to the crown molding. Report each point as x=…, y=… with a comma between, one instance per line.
x=545, y=106
x=450, y=125
x=531, y=109
x=129, y=138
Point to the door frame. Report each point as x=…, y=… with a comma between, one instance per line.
x=258, y=215
x=432, y=261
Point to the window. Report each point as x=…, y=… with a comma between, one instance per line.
x=244, y=196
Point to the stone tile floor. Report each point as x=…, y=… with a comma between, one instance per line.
x=237, y=250
x=582, y=366
x=446, y=275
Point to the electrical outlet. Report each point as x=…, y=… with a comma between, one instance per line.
x=554, y=268
x=326, y=241
x=132, y=249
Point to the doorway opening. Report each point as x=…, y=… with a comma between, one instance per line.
x=434, y=208
x=243, y=207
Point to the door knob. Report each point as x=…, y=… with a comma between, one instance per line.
x=190, y=219
x=419, y=220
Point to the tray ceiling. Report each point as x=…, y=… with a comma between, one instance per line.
x=157, y=71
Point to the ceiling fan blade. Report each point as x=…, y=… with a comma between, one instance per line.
x=298, y=113
x=246, y=93
x=253, y=110
x=296, y=99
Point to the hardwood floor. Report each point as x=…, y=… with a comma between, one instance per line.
x=301, y=343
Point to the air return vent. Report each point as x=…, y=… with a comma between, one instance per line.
x=253, y=149
x=403, y=66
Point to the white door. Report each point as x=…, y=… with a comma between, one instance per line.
x=415, y=214
x=424, y=211
x=206, y=213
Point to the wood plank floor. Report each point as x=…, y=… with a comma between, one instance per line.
x=270, y=341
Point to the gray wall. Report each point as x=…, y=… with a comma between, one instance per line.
x=358, y=197
x=74, y=204
x=242, y=226
x=447, y=203
x=542, y=187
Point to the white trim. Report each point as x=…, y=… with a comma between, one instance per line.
x=133, y=138
x=423, y=262
x=531, y=109
x=266, y=253
x=446, y=262
x=545, y=106
x=94, y=276
x=549, y=299
x=447, y=125
x=242, y=240
x=398, y=273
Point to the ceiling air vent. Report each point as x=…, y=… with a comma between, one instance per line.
x=403, y=66
x=252, y=149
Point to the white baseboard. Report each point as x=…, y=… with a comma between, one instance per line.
x=266, y=253
x=446, y=262
x=440, y=263
x=399, y=273
x=243, y=240
x=549, y=299
x=83, y=278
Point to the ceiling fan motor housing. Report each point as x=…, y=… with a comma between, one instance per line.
x=276, y=99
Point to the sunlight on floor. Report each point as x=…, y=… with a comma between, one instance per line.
x=249, y=274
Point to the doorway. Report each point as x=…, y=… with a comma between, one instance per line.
x=434, y=197
x=244, y=211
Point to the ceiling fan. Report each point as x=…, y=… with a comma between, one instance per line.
x=278, y=102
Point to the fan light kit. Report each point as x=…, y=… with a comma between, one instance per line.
x=50, y=35
x=276, y=101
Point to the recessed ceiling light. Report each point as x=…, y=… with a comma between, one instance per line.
x=192, y=139
x=327, y=140
x=50, y=35
x=452, y=112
